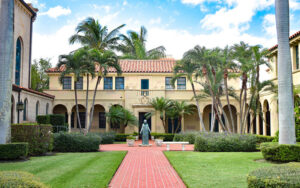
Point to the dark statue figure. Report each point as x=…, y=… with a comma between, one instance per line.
x=145, y=131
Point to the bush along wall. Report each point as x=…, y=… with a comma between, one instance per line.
x=76, y=142
x=166, y=136
x=106, y=138
x=275, y=176
x=272, y=151
x=186, y=137
x=224, y=142
x=39, y=137
x=12, y=151
x=56, y=120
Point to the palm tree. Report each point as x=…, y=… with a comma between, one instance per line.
x=285, y=80
x=104, y=61
x=182, y=109
x=6, y=64
x=90, y=33
x=160, y=105
x=76, y=63
x=133, y=46
x=172, y=114
x=187, y=68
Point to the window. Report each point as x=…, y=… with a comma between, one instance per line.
x=102, y=120
x=145, y=87
x=119, y=83
x=82, y=119
x=67, y=83
x=79, y=83
x=297, y=58
x=37, y=108
x=47, y=108
x=25, y=110
x=181, y=83
x=168, y=83
x=108, y=83
x=18, y=62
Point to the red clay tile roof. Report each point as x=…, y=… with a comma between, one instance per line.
x=291, y=37
x=16, y=87
x=138, y=66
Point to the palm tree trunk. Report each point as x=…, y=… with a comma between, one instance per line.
x=93, y=104
x=87, y=101
x=6, y=66
x=229, y=105
x=179, y=124
x=225, y=116
x=77, y=110
x=198, y=108
x=285, y=80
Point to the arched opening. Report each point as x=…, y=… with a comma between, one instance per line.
x=12, y=109
x=25, y=110
x=61, y=109
x=18, y=61
x=261, y=126
x=192, y=122
x=232, y=123
x=209, y=120
x=74, y=118
x=114, y=120
x=47, y=108
x=268, y=117
x=99, y=118
x=37, y=108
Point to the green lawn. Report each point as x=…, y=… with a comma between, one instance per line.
x=71, y=169
x=219, y=169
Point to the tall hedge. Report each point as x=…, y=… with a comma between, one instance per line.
x=39, y=137
x=12, y=151
x=272, y=151
x=56, y=120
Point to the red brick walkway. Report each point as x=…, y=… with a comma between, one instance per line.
x=145, y=167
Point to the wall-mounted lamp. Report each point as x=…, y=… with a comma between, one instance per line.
x=20, y=106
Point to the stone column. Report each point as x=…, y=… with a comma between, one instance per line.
x=251, y=123
x=69, y=120
x=257, y=125
x=264, y=123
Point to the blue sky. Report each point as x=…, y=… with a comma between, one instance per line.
x=178, y=25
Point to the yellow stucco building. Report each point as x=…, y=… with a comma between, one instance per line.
x=143, y=80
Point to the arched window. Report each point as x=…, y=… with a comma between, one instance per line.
x=37, y=106
x=25, y=110
x=18, y=62
x=47, y=108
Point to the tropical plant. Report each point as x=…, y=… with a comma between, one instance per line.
x=187, y=67
x=76, y=63
x=90, y=33
x=160, y=105
x=6, y=64
x=119, y=117
x=103, y=62
x=133, y=46
x=285, y=82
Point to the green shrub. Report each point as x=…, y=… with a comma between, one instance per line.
x=121, y=137
x=76, y=142
x=224, y=142
x=11, y=179
x=43, y=119
x=106, y=138
x=39, y=137
x=166, y=136
x=262, y=138
x=272, y=151
x=57, y=119
x=186, y=136
x=287, y=176
x=13, y=151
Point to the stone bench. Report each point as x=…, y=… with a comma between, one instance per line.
x=182, y=143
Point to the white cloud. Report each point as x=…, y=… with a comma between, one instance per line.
x=295, y=5
x=125, y=3
x=155, y=21
x=107, y=8
x=197, y=2
x=57, y=11
x=269, y=24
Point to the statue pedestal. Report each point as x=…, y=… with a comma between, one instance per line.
x=141, y=145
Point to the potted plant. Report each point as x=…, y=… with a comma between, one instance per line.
x=136, y=135
x=130, y=141
x=159, y=141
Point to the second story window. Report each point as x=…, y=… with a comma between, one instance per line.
x=67, y=83
x=297, y=58
x=119, y=83
x=79, y=83
x=168, y=83
x=108, y=83
x=181, y=83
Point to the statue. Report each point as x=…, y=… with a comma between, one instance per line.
x=145, y=133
